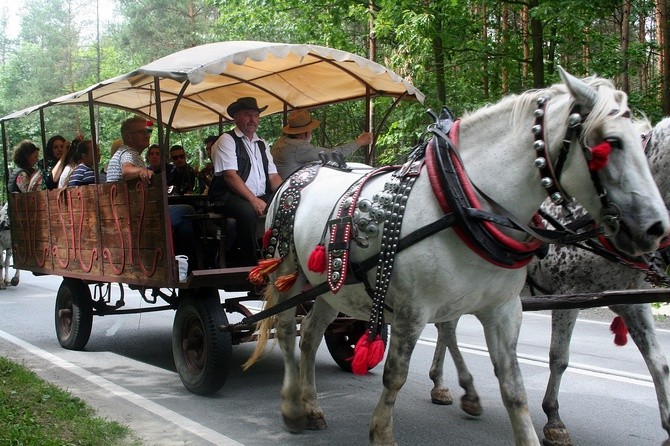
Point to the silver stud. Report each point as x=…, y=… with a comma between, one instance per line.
x=364, y=205
x=547, y=182
x=540, y=162
x=538, y=145
x=574, y=120
x=537, y=128
x=557, y=198
x=538, y=113
x=541, y=100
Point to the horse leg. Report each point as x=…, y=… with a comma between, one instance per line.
x=501, y=329
x=439, y=393
x=16, y=278
x=292, y=407
x=446, y=337
x=311, y=334
x=562, y=326
x=405, y=334
x=4, y=264
x=640, y=323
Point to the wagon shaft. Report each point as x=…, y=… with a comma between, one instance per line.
x=591, y=300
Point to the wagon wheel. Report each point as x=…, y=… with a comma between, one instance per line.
x=341, y=342
x=201, y=351
x=74, y=314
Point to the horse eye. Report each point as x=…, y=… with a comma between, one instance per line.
x=615, y=143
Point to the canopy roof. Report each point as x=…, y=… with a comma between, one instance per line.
x=197, y=85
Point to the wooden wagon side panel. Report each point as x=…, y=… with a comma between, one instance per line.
x=29, y=227
x=115, y=232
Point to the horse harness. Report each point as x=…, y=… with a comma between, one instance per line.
x=358, y=220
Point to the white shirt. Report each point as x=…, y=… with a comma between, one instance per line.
x=224, y=157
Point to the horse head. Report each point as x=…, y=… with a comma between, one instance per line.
x=605, y=145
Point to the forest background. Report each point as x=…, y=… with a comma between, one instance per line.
x=459, y=53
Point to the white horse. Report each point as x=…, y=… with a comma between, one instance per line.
x=571, y=270
x=6, y=250
x=498, y=148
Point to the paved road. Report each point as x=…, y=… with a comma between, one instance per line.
x=127, y=374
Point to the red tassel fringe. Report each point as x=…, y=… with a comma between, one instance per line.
x=259, y=274
x=599, y=156
x=367, y=354
x=618, y=327
x=317, y=259
x=284, y=283
x=266, y=238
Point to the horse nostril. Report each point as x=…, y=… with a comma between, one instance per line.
x=656, y=230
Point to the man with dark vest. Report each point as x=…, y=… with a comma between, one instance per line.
x=244, y=175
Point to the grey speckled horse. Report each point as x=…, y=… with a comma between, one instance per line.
x=570, y=270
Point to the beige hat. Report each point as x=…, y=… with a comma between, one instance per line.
x=300, y=121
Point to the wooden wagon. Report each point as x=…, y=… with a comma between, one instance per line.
x=120, y=233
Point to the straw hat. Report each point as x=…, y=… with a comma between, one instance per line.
x=246, y=103
x=300, y=121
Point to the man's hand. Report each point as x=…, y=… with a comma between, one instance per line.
x=259, y=206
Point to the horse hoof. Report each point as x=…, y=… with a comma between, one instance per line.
x=316, y=424
x=556, y=436
x=441, y=396
x=295, y=425
x=14, y=281
x=471, y=407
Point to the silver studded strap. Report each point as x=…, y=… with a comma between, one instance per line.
x=399, y=188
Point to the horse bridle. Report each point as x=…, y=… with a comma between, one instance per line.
x=550, y=174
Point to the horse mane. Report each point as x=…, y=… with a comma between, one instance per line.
x=525, y=103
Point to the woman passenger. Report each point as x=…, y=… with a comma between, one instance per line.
x=25, y=159
x=52, y=153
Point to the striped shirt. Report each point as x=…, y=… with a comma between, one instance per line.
x=81, y=175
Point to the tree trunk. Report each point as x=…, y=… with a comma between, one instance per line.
x=665, y=54
x=625, y=44
x=538, y=54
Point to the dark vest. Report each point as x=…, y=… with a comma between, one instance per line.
x=219, y=190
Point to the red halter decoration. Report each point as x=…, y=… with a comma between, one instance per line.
x=599, y=156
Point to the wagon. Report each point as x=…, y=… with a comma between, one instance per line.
x=119, y=233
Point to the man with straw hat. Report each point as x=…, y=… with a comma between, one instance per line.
x=244, y=175
x=294, y=149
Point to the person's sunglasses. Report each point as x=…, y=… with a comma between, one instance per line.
x=177, y=157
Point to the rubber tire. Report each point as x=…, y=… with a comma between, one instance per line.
x=203, y=368
x=73, y=329
x=341, y=345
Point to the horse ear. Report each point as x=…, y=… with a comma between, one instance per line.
x=582, y=92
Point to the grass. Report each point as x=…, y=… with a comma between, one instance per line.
x=33, y=412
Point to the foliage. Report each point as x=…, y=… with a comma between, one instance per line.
x=34, y=412
x=461, y=53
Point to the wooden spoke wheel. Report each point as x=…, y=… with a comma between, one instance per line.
x=73, y=314
x=201, y=351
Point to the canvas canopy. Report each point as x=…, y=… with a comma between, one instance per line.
x=196, y=85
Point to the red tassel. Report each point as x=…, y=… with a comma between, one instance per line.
x=284, y=283
x=266, y=238
x=618, y=327
x=367, y=354
x=317, y=259
x=599, y=156
x=259, y=274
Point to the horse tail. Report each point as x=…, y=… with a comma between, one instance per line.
x=263, y=328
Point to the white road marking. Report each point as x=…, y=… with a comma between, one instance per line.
x=163, y=412
x=582, y=369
